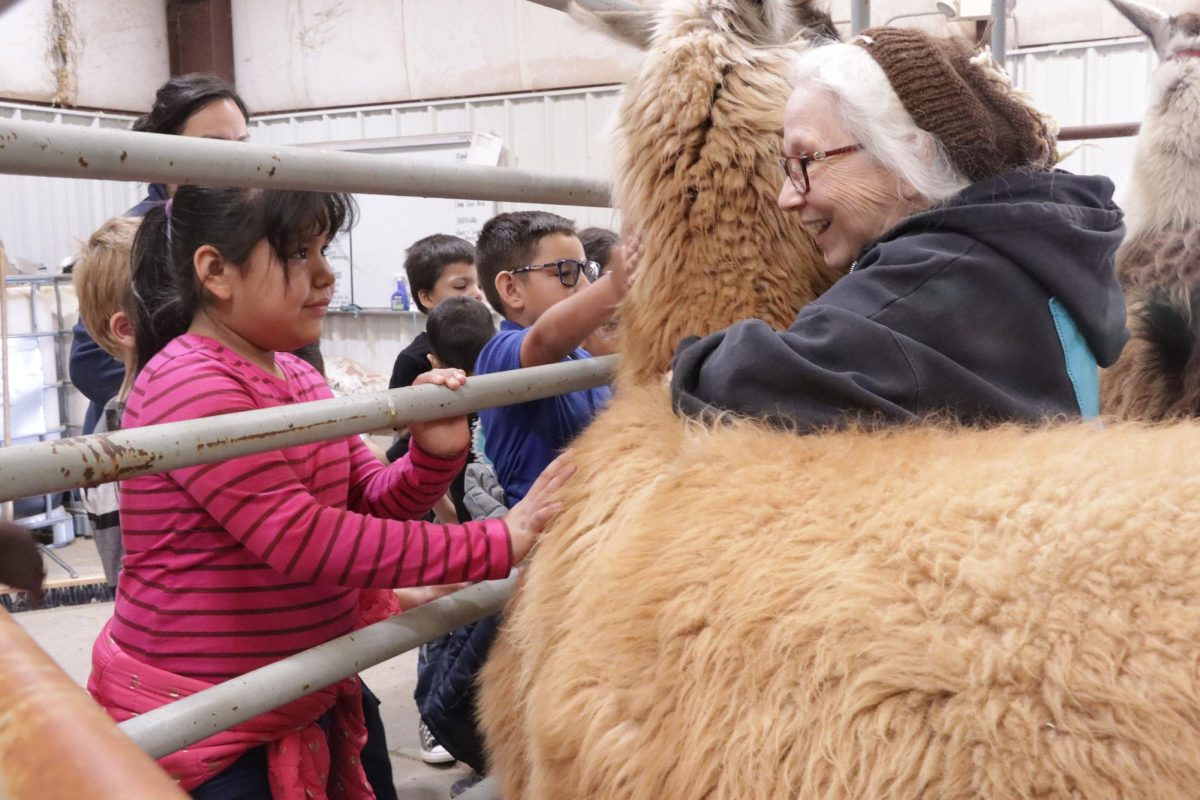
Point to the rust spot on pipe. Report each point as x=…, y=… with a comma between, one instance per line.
x=83, y=161
x=271, y=173
x=124, y=155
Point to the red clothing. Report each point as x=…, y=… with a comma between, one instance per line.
x=301, y=759
x=233, y=565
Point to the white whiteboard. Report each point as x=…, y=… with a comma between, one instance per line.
x=368, y=258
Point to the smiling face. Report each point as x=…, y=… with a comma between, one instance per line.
x=852, y=199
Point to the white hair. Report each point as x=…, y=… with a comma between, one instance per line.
x=872, y=112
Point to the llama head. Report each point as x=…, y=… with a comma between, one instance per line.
x=1173, y=37
x=696, y=146
x=1164, y=188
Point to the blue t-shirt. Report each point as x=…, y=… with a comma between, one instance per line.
x=521, y=440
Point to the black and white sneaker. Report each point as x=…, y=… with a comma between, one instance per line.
x=431, y=751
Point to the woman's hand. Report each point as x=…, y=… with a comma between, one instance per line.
x=528, y=518
x=442, y=438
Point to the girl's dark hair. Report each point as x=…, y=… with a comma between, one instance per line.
x=182, y=96
x=166, y=291
x=428, y=258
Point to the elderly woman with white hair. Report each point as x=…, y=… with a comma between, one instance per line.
x=979, y=282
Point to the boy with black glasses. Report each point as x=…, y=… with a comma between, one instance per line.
x=534, y=272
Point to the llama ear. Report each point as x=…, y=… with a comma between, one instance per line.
x=631, y=24
x=1150, y=21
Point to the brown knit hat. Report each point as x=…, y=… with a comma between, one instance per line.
x=984, y=124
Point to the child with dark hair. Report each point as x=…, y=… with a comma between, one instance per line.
x=438, y=267
x=536, y=274
x=233, y=565
x=598, y=244
x=458, y=329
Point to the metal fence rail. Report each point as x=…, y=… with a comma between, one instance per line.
x=63, y=464
x=69, y=151
x=192, y=719
x=1112, y=130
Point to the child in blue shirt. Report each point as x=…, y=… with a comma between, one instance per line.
x=534, y=272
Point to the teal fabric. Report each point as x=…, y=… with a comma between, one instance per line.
x=1081, y=364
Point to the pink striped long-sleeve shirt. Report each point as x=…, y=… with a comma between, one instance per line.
x=233, y=565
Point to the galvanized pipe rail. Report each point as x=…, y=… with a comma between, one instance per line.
x=68, y=151
x=46, y=467
x=184, y=722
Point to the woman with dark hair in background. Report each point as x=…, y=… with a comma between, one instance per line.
x=187, y=105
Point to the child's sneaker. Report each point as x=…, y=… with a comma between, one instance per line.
x=431, y=751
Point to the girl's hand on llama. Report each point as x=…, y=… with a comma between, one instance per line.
x=443, y=438
x=529, y=517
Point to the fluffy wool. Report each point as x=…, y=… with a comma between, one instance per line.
x=1158, y=376
x=894, y=614
x=696, y=157
x=731, y=612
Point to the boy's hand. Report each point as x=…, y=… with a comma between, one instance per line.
x=623, y=262
x=442, y=438
x=528, y=518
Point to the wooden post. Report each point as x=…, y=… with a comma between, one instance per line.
x=55, y=741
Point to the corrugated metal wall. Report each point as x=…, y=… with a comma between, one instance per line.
x=563, y=132
x=42, y=219
x=1084, y=84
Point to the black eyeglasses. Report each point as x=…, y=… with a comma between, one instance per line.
x=796, y=167
x=568, y=270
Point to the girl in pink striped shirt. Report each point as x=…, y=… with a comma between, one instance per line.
x=233, y=565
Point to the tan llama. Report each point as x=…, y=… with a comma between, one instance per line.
x=729, y=612
x=696, y=161
x=1158, y=376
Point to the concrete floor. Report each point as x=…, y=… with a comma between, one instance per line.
x=67, y=634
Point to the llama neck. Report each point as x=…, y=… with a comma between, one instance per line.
x=1164, y=190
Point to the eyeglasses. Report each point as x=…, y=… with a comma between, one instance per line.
x=568, y=270
x=796, y=167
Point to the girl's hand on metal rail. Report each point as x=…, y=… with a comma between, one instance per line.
x=528, y=518
x=443, y=438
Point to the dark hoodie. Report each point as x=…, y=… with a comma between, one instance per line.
x=995, y=306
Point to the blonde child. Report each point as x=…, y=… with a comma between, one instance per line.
x=102, y=284
x=233, y=565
